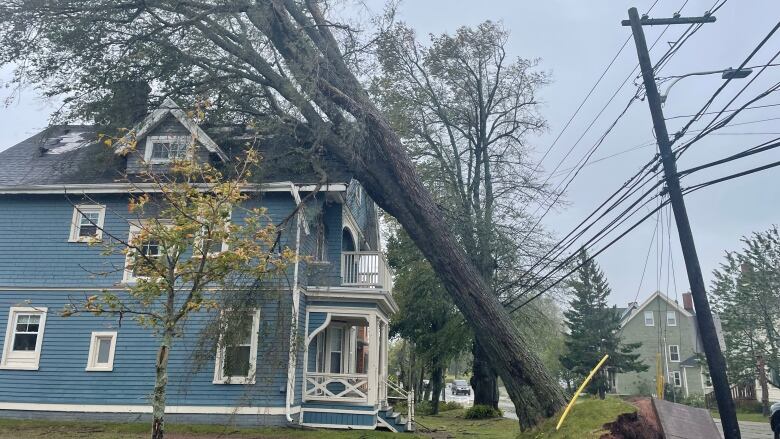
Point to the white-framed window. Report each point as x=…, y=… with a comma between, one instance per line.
x=102, y=346
x=150, y=249
x=358, y=195
x=671, y=318
x=333, y=350
x=237, y=364
x=163, y=149
x=23, y=338
x=674, y=353
x=336, y=349
x=649, y=318
x=214, y=248
x=87, y=223
x=676, y=378
x=706, y=379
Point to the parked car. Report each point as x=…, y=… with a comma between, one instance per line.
x=774, y=419
x=460, y=387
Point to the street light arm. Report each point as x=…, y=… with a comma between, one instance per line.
x=678, y=78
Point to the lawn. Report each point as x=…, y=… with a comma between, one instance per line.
x=745, y=416
x=585, y=421
x=452, y=424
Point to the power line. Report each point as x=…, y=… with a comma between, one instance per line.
x=755, y=107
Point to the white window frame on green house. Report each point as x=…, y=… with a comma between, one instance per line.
x=651, y=316
x=676, y=352
x=676, y=378
x=94, y=363
x=219, y=362
x=23, y=359
x=671, y=318
x=81, y=221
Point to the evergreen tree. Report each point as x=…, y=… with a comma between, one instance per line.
x=594, y=330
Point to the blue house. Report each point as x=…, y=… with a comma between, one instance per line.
x=317, y=353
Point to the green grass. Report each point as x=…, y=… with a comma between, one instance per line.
x=454, y=424
x=745, y=416
x=585, y=420
x=14, y=429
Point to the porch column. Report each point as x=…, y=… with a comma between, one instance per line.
x=373, y=359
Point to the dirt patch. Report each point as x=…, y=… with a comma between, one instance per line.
x=643, y=424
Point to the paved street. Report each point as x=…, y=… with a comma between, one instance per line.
x=751, y=430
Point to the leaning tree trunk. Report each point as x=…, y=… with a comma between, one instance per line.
x=484, y=380
x=388, y=175
x=367, y=144
x=160, y=383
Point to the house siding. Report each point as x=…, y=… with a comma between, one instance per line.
x=168, y=127
x=660, y=336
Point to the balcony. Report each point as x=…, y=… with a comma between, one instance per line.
x=365, y=269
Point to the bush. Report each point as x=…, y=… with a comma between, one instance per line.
x=483, y=412
x=693, y=401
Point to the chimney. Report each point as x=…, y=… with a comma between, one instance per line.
x=688, y=302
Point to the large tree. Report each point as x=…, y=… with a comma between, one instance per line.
x=464, y=109
x=746, y=293
x=594, y=330
x=289, y=63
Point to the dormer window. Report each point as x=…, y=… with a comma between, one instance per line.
x=163, y=149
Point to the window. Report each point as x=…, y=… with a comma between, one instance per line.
x=215, y=248
x=236, y=364
x=163, y=149
x=150, y=249
x=706, y=378
x=671, y=318
x=674, y=353
x=23, y=338
x=649, y=319
x=676, y=379
x=87, y=223
x=101, y=352
x=336, y=344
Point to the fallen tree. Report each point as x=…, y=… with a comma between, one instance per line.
x=275, y=62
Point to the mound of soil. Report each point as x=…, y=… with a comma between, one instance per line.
x=640, y=425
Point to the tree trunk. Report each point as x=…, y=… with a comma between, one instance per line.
x=437, y=379
x=484, y=380
x=761, y=370
x=160, y=383
x=390, y=179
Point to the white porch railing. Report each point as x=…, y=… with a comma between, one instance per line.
x=367, y=269
x=337, y=387
x=408, y=396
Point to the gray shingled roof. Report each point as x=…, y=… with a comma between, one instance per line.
x=65, y=154
x=72, y=154
x=692, y=361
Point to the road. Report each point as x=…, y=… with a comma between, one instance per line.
x=751, y=430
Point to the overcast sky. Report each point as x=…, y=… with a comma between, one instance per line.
x=575, y=40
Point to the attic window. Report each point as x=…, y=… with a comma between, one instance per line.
x=163, y=149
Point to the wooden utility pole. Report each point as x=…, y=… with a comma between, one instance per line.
x=715, y=360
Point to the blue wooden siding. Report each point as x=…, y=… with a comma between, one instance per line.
x=61, y=377
x=338, y=418
x=364, y=212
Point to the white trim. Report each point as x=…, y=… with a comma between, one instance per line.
x=171, y=409
x=650, y=314
x=92, y=364
x=151, y=140
x=391, y=427
x=75, y=223
x=114, y=188
x=318, y=329
x=220, y=378
x=670, y=353
x=673, y=314
x=673, y=375
x=383, y=298
x=127, y=273
x=32, y=363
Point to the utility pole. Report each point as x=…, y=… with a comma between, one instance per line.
x=715, y=360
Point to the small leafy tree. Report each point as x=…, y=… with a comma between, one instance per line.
x=426, y=317
x=176, y=265
x=594, y=330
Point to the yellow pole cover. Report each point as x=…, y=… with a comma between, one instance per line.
x=577, y=394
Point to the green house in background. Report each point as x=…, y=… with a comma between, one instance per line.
x=665, y=327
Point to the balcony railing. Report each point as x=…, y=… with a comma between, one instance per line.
x=339, y=387
x=366, y=269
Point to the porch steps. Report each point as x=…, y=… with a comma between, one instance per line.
x=393, y=420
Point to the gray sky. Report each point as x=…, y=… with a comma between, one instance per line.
x=575, y=40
